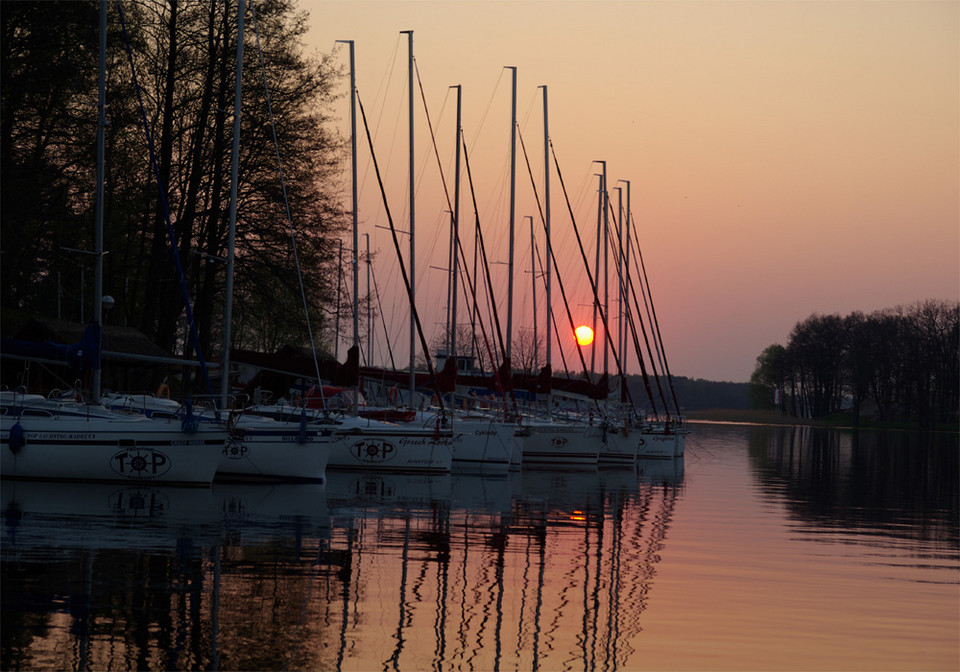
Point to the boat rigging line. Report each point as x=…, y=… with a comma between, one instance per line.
x=643, y=329
x=583, y=255
x=563, y=293
x=396, y=244
x=556, y=266
x=456, y=237
x=383, y=321
x=656, y=323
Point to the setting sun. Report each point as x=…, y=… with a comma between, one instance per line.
x=584, y=335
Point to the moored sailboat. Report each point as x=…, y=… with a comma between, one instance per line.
x=261, y=448
x=56, y=440
x=68, y=440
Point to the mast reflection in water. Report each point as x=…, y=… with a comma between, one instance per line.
x=667, y=565
x=479, y=572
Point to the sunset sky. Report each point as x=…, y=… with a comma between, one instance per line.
x=785, y=158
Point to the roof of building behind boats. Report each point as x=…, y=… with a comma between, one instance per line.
x=116, y=338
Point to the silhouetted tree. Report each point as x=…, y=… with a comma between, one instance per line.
x=905, y=360
x=48, y=115
x=858, y=364
x=184, y=53
x=772, y=373
x=816, y=350
x=528, y=356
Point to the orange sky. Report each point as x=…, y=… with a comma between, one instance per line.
x=785, y=158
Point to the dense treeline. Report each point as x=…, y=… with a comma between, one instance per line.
x=899, y=364
x=184, y=55
x=698, y=394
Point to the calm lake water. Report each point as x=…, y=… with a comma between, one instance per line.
x=765, y=548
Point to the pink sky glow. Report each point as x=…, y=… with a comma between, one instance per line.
x=785, y=158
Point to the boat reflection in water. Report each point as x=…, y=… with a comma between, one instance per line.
x=40, y=516
x=532, y=569
x=262, y=513
x=83, y=565
x=522, y=568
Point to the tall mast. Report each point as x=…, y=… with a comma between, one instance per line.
x=336, y=322
x=546, y=200
x=473, y=313
x=533, y=284
x=456, y=237
x=231, y=231
x=621, y=293
x=626, y=278
x=98, y=234
x=513, y=208
x=353, y=167
x=413, y=267
x=596, y=266
x=369, y=357
x=356, y=234
x=606, y=274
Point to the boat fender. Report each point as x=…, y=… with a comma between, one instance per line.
x=16, y=438
x=393, y=395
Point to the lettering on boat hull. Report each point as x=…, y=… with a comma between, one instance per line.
x=140, y=463
x=235, y=450
x=373, y=451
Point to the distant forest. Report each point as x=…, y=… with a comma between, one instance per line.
x=893, y=365
x=696, y=394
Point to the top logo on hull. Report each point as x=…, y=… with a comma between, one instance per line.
x=140, y=463
x=373, y=451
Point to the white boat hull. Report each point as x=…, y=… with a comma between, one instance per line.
x=660, y=444
x=516, y=447
x=258, y=448
x=359, y=444
x=615, y=449
x=267, y=450
x=482, y=445
x=95, y=448
x=556, y=444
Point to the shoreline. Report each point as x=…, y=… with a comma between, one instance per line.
x=769, y=417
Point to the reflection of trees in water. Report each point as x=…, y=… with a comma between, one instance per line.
x=894, y=483
x=100, y=609
x=267, y=613
x=91, y=582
